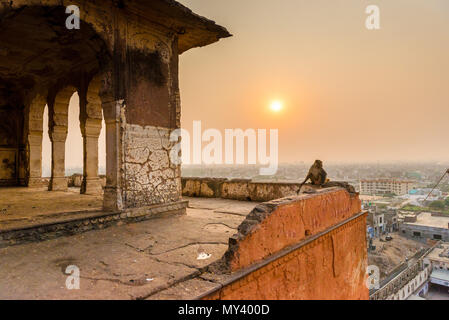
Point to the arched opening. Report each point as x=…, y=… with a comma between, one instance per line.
x=46, y=147
x=43, y=68
x=74, y=148
x=102, y=149
x=38, y=63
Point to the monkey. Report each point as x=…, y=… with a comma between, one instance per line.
x=316, y=174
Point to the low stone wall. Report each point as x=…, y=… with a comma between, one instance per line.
x=76, y=180
x=312, y=246
x=73, y=181
x=245, y=189
x=439, y=214
x=238, y=189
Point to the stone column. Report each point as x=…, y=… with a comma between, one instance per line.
x=90, y=130
x=58, y=181
x=58, y=123
x=34, y=140
x=90, y=122
x=113, y=191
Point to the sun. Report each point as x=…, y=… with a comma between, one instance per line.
x=276, y=106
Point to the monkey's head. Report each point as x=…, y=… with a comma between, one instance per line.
x=318, y=164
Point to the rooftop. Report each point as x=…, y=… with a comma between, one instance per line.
x=440, y=253
x=155, y=259
x=426, y=219
x=441, y=275
x=387, y=180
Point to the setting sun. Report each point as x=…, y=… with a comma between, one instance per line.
x=276, y=106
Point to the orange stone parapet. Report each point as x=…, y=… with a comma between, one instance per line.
x=278, y=224
x=311, y=247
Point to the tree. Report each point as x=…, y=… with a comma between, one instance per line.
x=446, y=202
x=390, y=195
x=437, y=205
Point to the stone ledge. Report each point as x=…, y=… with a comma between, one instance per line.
x=91, y=221
x=248, y=190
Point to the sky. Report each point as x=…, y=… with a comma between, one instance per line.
x=349, y=94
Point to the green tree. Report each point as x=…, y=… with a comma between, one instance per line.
x=437, y=205
x=390, y=195
x=446, y=202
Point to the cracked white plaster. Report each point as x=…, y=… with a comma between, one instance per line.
x=152, y=178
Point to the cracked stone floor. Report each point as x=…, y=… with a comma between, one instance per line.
x=155, y=259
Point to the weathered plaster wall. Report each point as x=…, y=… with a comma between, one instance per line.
x=151, y=111
x=307, y=247
x=152, y=87
x=150, y=177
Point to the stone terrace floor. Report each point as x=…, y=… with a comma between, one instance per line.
x=154, y=259
x=22, y=207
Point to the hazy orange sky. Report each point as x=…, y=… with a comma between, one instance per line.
x=350, y=94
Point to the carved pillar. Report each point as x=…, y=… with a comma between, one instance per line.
x=107, y=82
x=113, y=191
x=90, y=122
x=34, y=140
x=58, y=123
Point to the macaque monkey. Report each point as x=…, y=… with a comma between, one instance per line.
x=316, y=174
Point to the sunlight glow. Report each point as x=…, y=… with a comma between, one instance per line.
x=276, y=106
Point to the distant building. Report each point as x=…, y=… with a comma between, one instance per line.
x=381, y=221
x=376, y=220
x=386, y=186
x=425, y=226
x=423, y=196
x=439, y=259
x=391, y=221
x=411, y=279
x=408, y=280
x=427, y=192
